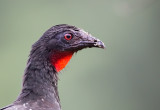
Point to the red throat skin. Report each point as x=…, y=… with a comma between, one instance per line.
x=60, y=59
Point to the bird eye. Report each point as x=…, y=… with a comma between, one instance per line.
x=68, y=36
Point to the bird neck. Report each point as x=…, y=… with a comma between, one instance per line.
x=40, y=81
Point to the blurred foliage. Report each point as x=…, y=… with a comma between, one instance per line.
x=124, y=76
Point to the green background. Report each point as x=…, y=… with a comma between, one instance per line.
x=124, y=76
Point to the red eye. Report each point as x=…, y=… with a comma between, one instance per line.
x=68, y=36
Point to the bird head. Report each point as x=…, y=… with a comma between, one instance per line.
x=60, y=42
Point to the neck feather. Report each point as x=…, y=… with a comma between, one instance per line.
x=40, y=81
x=40, y=77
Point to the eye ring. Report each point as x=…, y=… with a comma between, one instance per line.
x=68, y=36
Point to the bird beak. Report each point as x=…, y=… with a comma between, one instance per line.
x=93, y=42
x=99, y=44
x=87, y=40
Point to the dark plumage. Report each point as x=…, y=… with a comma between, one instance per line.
x=48, y=56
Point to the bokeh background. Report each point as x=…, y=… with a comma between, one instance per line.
x=124, y=76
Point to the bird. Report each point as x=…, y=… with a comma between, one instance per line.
x=48, y=56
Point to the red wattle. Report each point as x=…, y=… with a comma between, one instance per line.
x=60, y=59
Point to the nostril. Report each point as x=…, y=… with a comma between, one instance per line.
x=95, y=40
